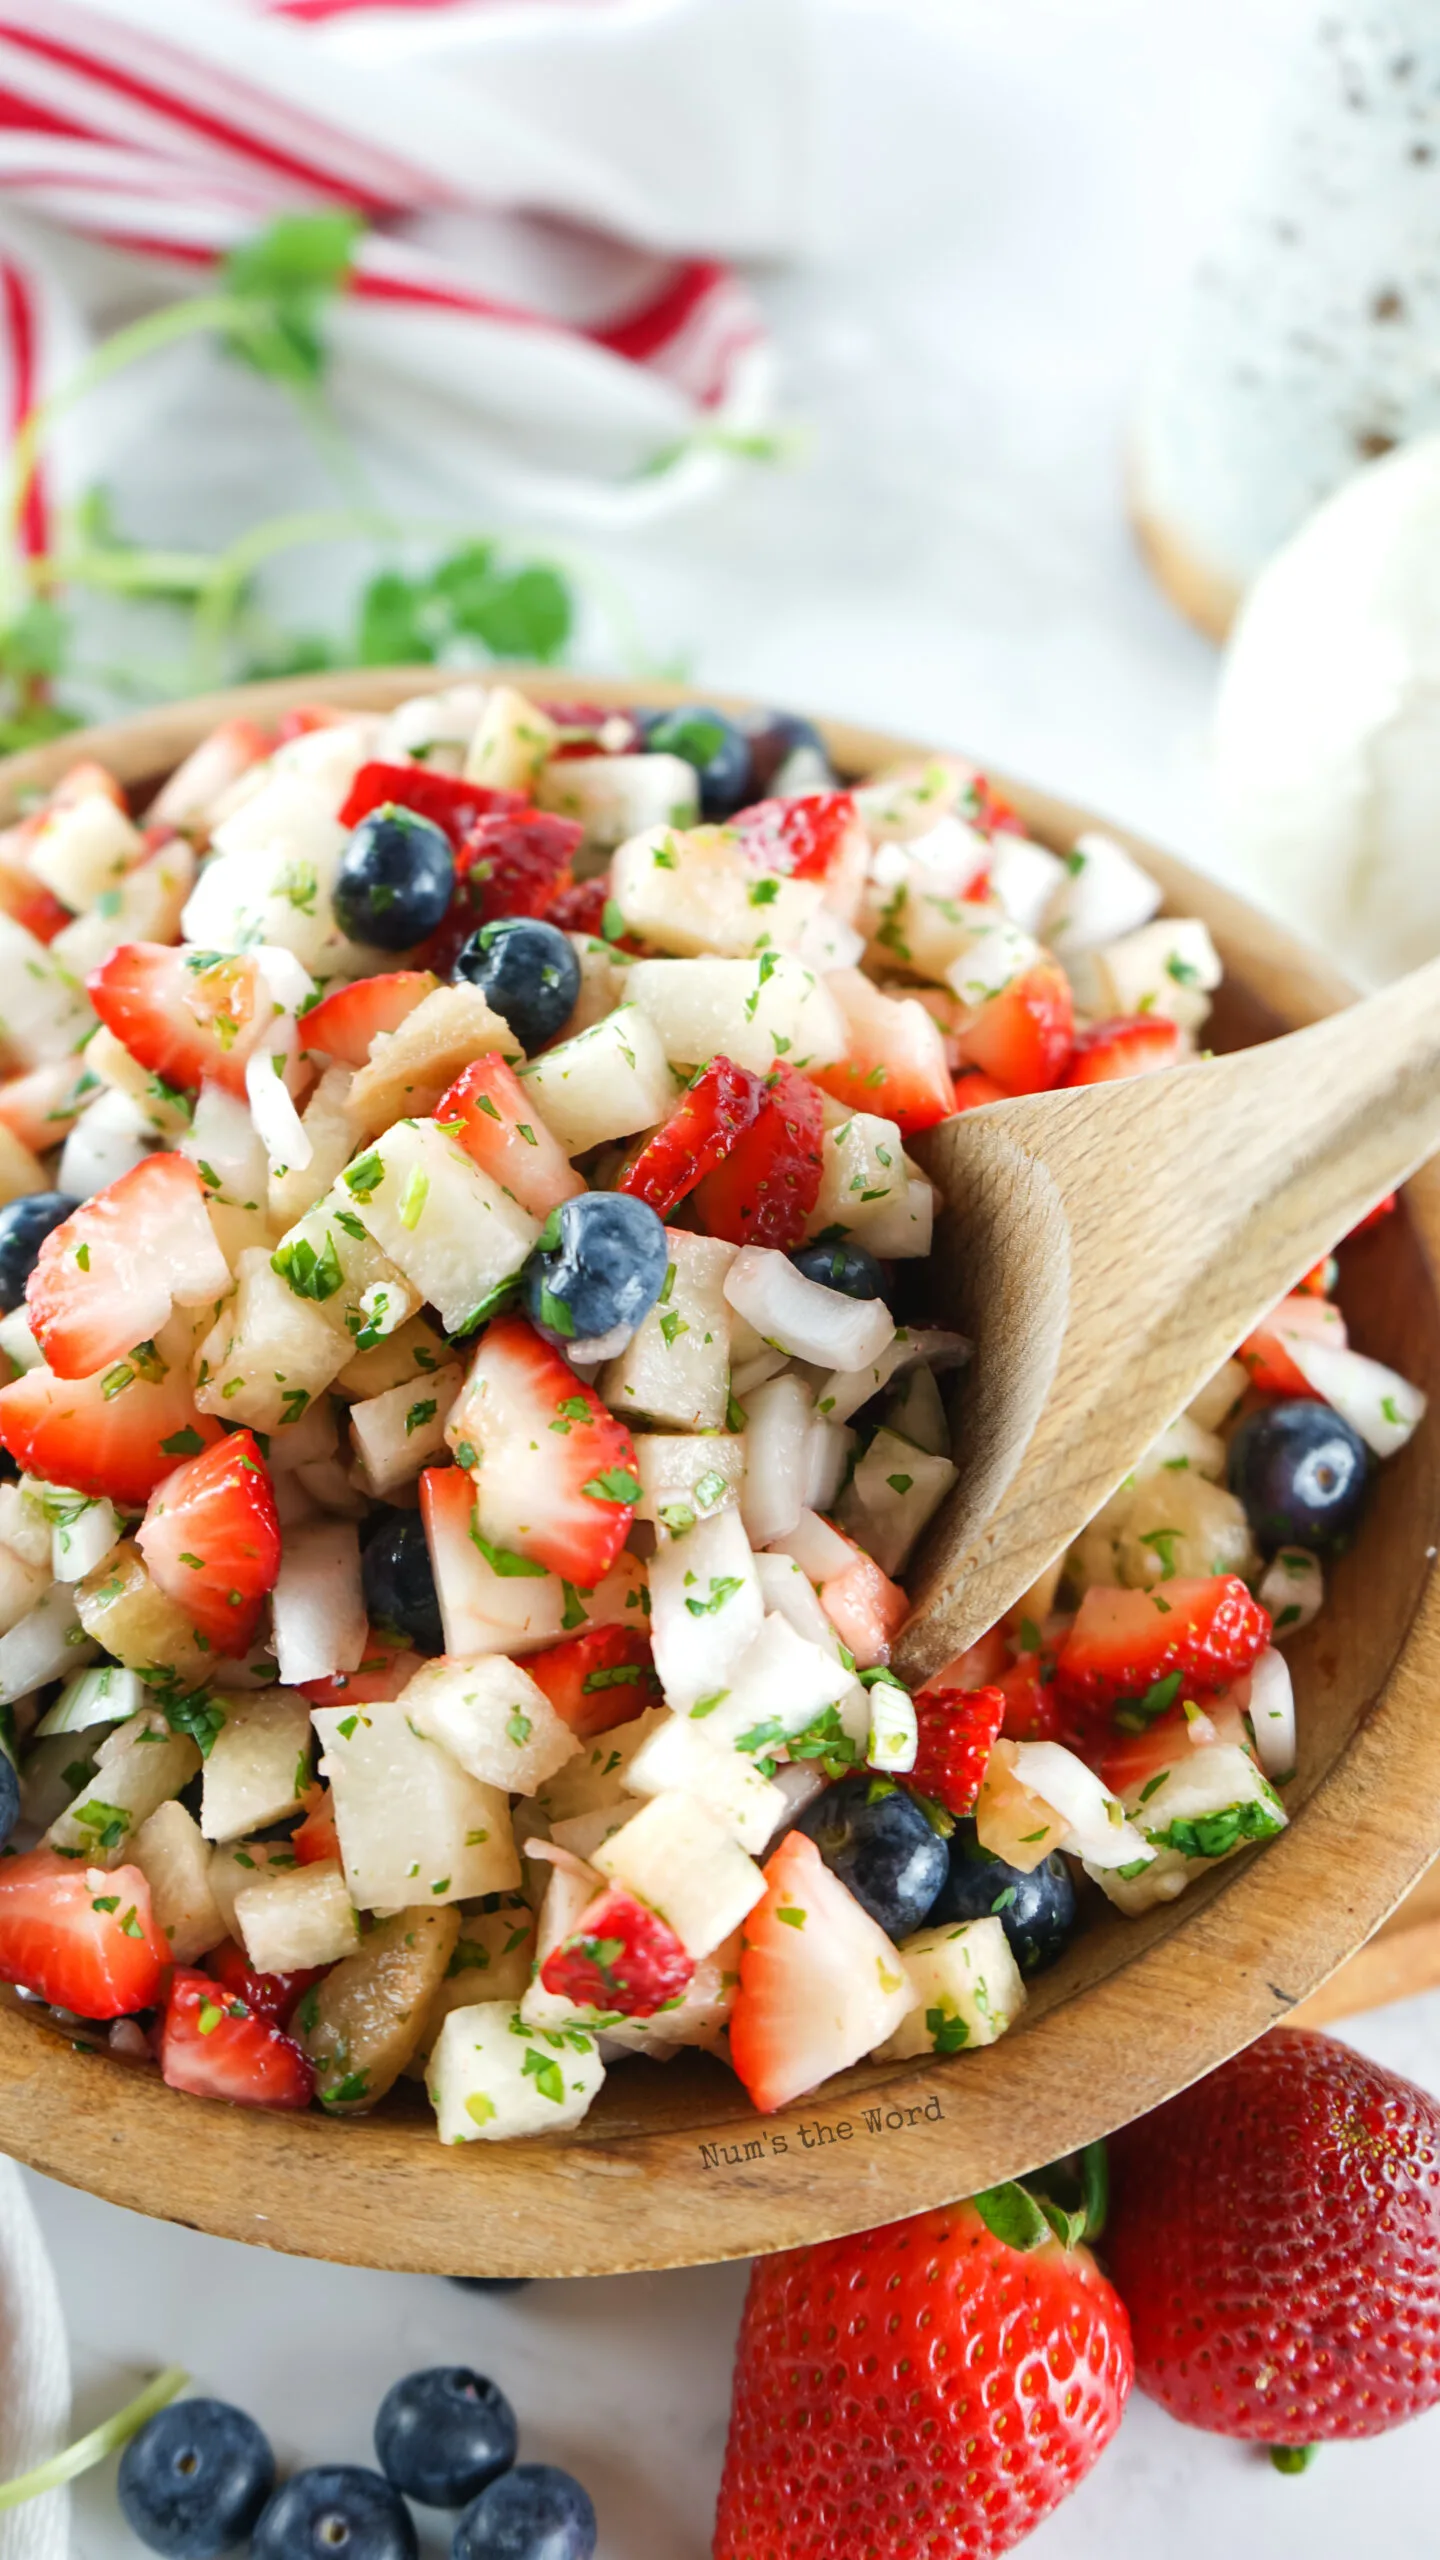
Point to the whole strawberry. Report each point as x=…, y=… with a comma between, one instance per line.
x=927, y=2391
x=1275, y=2233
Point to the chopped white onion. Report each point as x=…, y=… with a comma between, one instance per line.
x=222, y=1137
x=830, y=1447
x=779, y=1418
x=106, y=1695
x=1103, y=896
x=753, y=1373
x=894, y=1727
x=1024, y=877
x=1272, y=1714
x=108, y=1140
x=802, y=1316
x=819, y=1550
x=281, y=1129
x=18, y=1342
x=46, y=1643
x=1095, y=1826
x=846, y=1390
x=1293, y=1590
x=1377, y=1402
x=319, y=1603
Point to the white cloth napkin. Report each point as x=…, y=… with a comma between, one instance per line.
x=554, y=188
x=34, y=2376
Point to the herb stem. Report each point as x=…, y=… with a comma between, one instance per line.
x=88, y=2450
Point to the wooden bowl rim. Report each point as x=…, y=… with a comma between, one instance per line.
x=382, y=2192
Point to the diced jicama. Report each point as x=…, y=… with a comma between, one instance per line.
x=676, y=1367
x=492, y=1961
x=1184, y=1445
x=844, y=1393
x=139, y=1765
x=304, y=1443
x=803, y=1317
x=1168, y=968
x=1293, y=1590
x=238, y=1863
x=779, y=1420
x=1272, y=1714
x=269, y=1351
x=917, y=1413
x=784, y=1587
x=894, y=1727
x=413, y=1352
x=483, y=1611
x=224, y=1146
x=258, y=1769
x=696, y=893
x=319, y=1603
x=685, y=1475
x=275, y=859
x=961, y=943
x=413, y=1825
x=302, y=1917
x=190, y=794
x=680, y=1756
x=82, y=848
x=606, y=1083
x=1219, y=1397
x=45, y=1644
x=491, y=2078
x=681, y=1860
x=1212, y=1804
x=410, y=1068
x=751, y=1011
x=1025, y=877
x=18, y=1342
x=44, y=1014
x=445, y=721
x=21, y=1586
x=24, y=1527
x=123, y=1609
x=491, y=1717
x=783, y=1684
x=1103, y=895
x=331, y=1139
x=966, y=1989
x=83, y=1529
x=445, y=1224
x=145, y=906
x=598, y=1776
x=614, y=797
x=817, y=1547
x=863, y=1173
x=512, y=743
x=175, y=1861
x=893, y=1494
x=403, y=1430
x=1094, y=1821
x=1377, y=1402
x=705, y=1607
x=828, y=1460
x=912, y=798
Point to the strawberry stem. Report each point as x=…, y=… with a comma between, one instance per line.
x=1293, y=2458
x=88, y=2450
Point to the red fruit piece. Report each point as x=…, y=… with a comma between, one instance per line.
x=489, y=1113
x=306, y=717
x=105, y=1280
x=1121, y=1642
x=723, y=1102
x=619, y=1956
x=921, y=2389
x=450, y=804
x=769, y=1182
x=805, y=837
x=1319, y=1282
x=554, y=1471
x=516, y=863
x=1137, y=1045
x=188, y=1016
x=41, y=1107
x=341, y=1026
x=80, y=1937
x=211, y=1539
x=589, y=729
x=895, y=1056
x=22, y=896
x=820, y=1984
x=272, y=1996
x=603, y=1677
x=982, y=808
x=1126, y=1760
x=1275, y=2232
x=1032, y=1711
x=316, y=1838
x=972, y=1090
x=581, y=907
x=958, y=1731
x=215, y=2045
x=1265, y=1352
x=87, y=1433
x=384, y=1670
x=865, y=1608
x=1023, y=1036
x=1375, y=1217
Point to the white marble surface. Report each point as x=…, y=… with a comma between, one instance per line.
x=952, y=554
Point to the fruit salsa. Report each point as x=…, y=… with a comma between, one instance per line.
x=468, y=1417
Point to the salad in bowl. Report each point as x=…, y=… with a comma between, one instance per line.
x=472, y=1402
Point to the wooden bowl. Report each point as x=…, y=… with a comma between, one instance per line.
x=673, y=2166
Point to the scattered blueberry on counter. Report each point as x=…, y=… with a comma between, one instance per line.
x=883, y=1848
x=534, y=2513
x=846, y=1267
x=336, y=2508
x=490, y=2284
x=24, y=1226
x=395, y=880
x=443, y=2435
x=527, y=972
x=399, y=1581
x=601, y=1263
x=1302, y=1474
x=194, y=2481
x=1036, y=1910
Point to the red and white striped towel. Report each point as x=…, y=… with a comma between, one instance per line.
x=554, y=188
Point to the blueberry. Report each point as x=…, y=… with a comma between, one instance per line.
x=395, y=880
x=787, y=753
x=719, y=751
x=600, y=1264
x=534, y=2513
x=193, y=2481
x=399, y=1581
x=525, y=969
x=24, y=1226
x=443, y=2435
x=847, y=1267
x=1037, y=1911
x=1302, y=1474
x=490, y=2284
x=882, y=1847
x=9, y=1797
x=338, y=2511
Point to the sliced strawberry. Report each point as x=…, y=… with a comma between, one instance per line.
x=554, y=1472
x=865, y=1608
x=105, y=1280
x=983, y=809
x=958, y=1731
x=1375, y=1217
x=1319, y=1282
x=722, y=1103
x=1300, y=1318
x=769, y=1182
x=272, y=1996
x=973, y=1090
x=581, y=907
x=894, y=1062
x=195, y=786
x=189, y=1016
x=1123, y=1643
x=515, y=863
x=80, y=1937
x=316, y=1838
x=589, y=729
x=384, y=1669
x=23, y=896
x=211, y=1539
x=1023, y=1036
x=809, y=837
x=1126, y=1760
x=112, y=1435
x=41, y=1108
x=603, y=1677
x=820, y=1984
x=341, y=1026
x=1032, y=1711
x=620, y=1956
x=449, y=803
x=215, y=2045
x=307, y=717
x=1131, y=1045
x=980, y=1666
x=493, y=1118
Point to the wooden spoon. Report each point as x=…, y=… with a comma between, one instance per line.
x=1107, y=1248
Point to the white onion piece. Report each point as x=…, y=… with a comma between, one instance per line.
x=826, y=941
x=799, y=1782
x=47, y=1643
x=1025, y=877
x=753, y=1373
x=789, y=1593
x=222, y=1136
x=106, y=1695
x=108, y=1140
x=18, y=1342
x=319, y=1603
x=1103, y=896
x=697, y=1649
x=894, y=1727
x=819, y=1550
x=556, y=1855
x=1377, y=1402
x=779, y=1418
x=802, y=1316
x=1093, y=1831
x=846, y=1390
x=1272, y=1713
x=1293, y=1591
x=295, y=1444
x=81, y=1539
x=281, y=1129
x=830, y=1447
